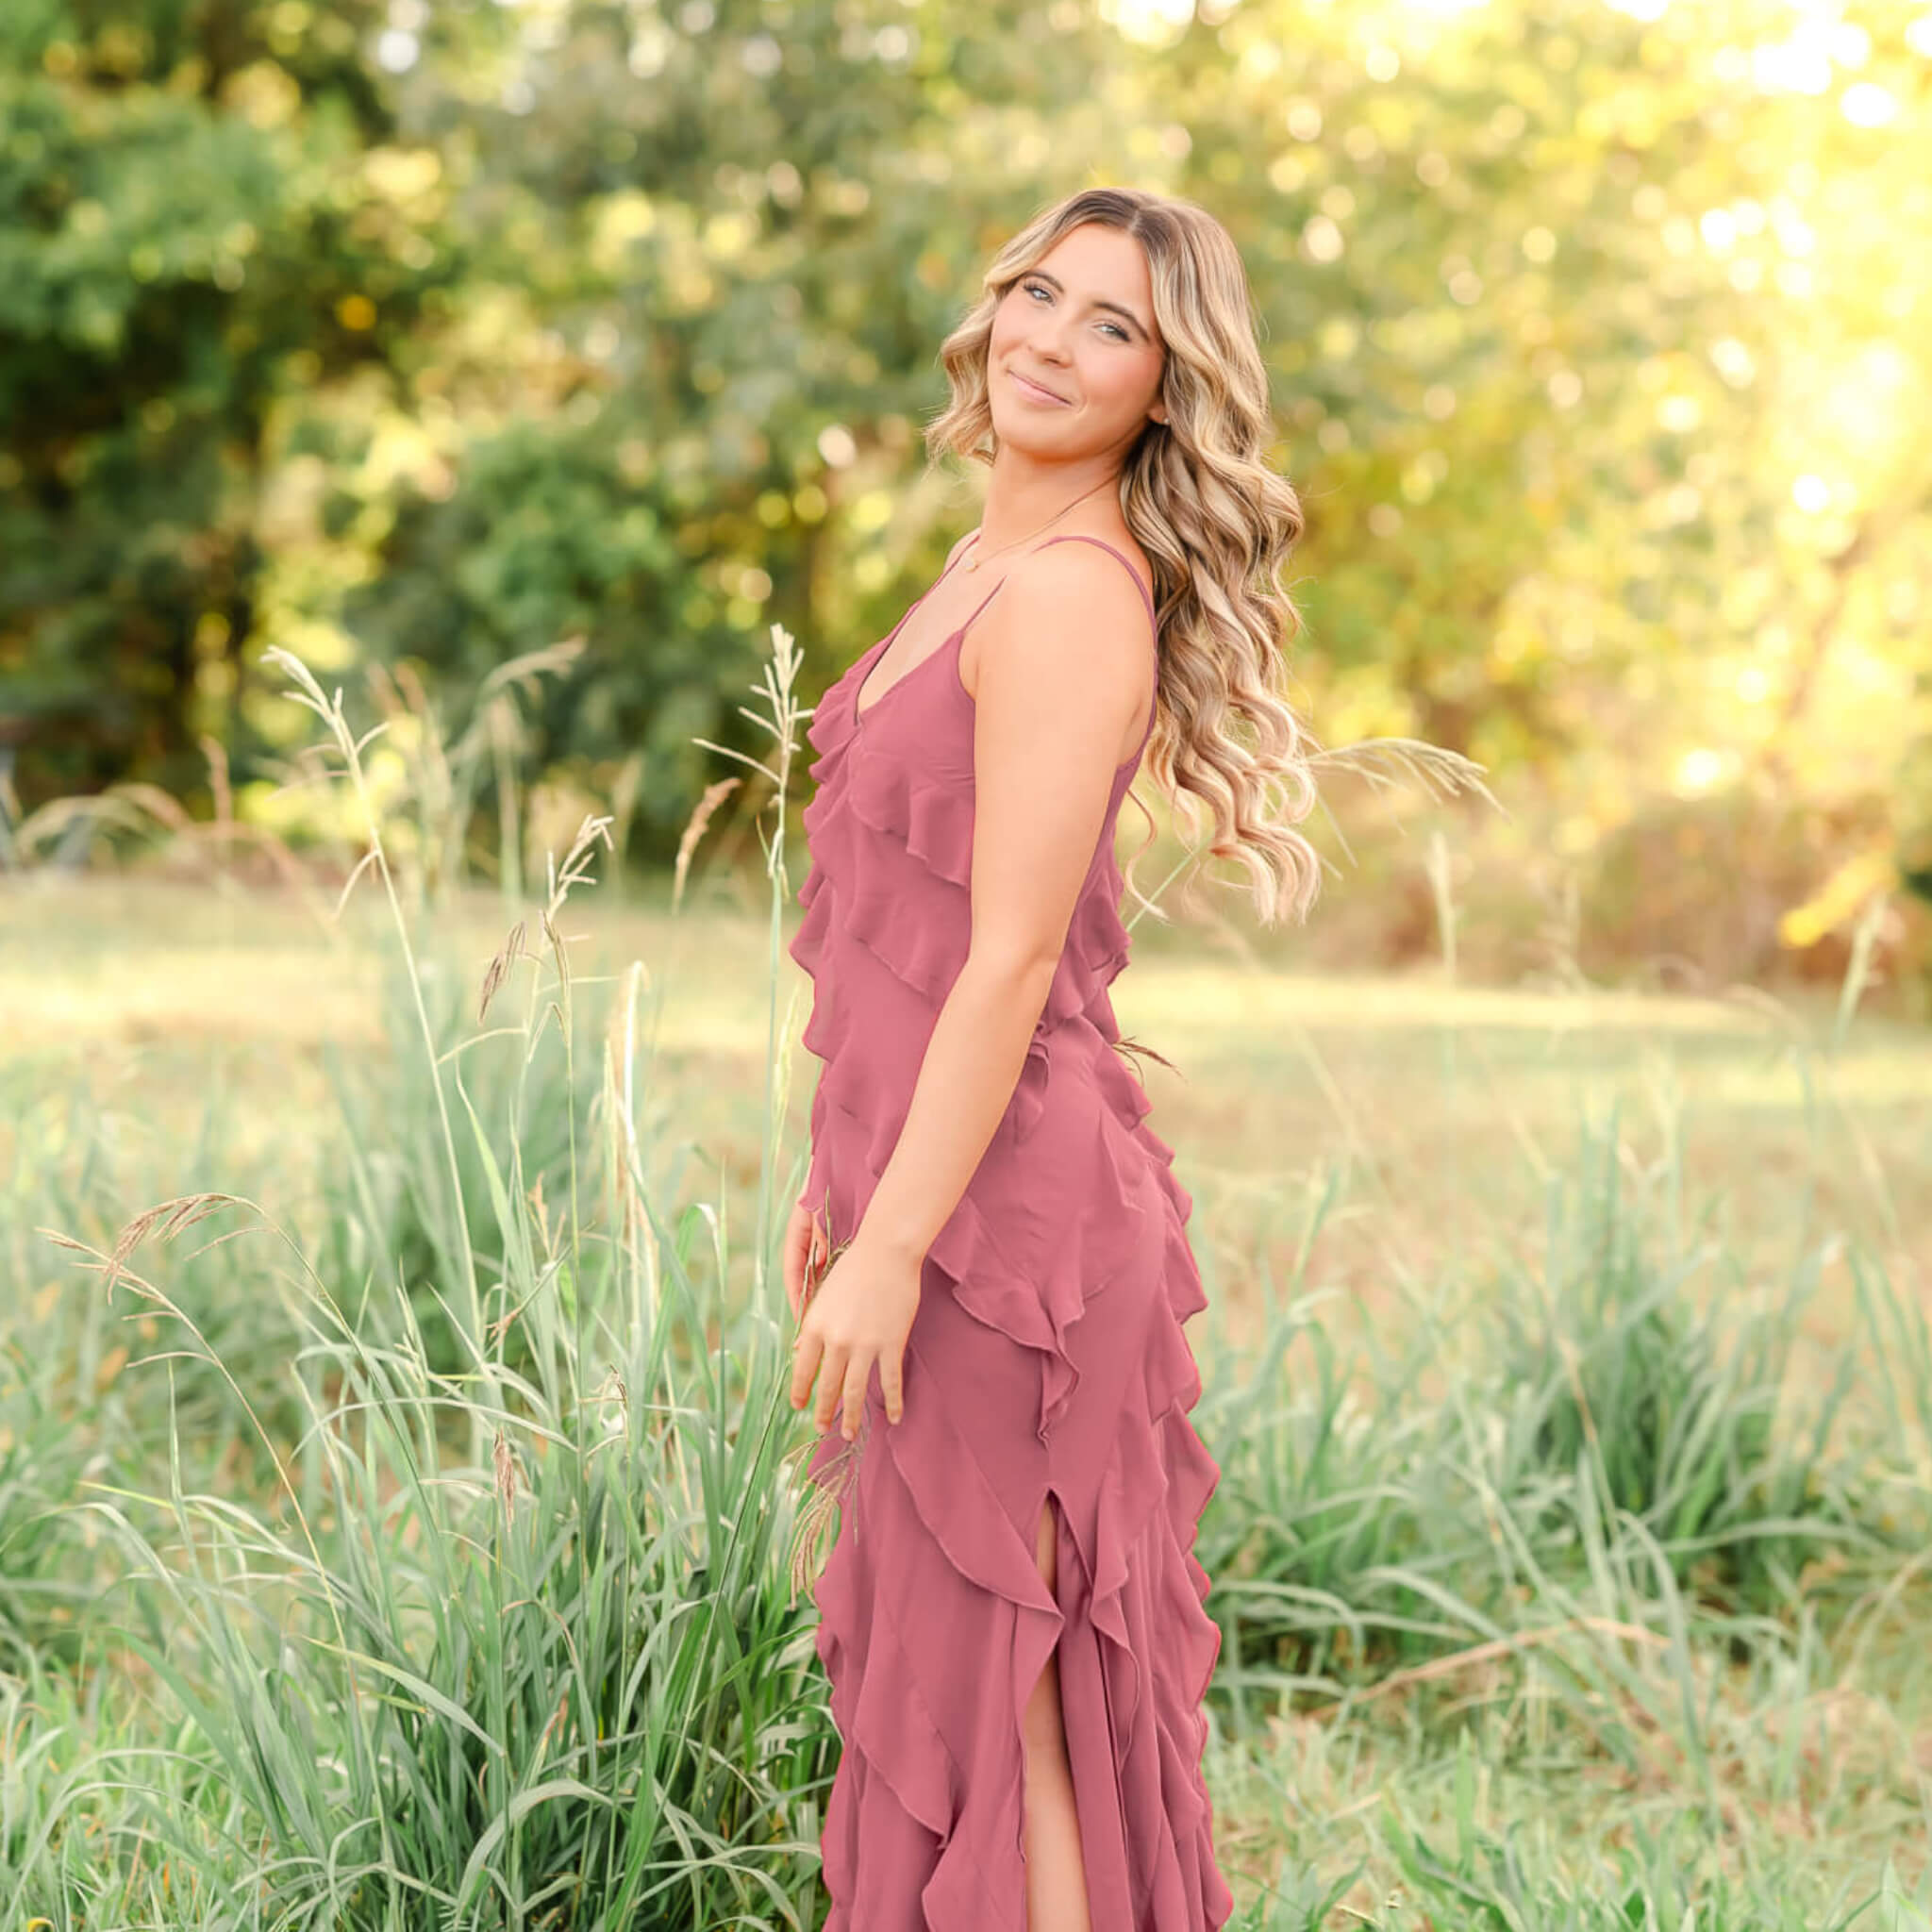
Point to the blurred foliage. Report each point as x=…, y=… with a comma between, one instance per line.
x=444, y=332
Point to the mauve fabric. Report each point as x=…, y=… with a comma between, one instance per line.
x=1047, y=1356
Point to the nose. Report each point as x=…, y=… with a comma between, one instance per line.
x=1047, y=337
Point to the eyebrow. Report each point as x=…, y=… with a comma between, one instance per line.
x=1099, y=300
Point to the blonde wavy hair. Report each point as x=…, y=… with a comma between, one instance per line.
x=1215, y=520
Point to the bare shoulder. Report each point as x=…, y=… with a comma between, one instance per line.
x=1067, y=574
x=1072, y=597
x=1059, y=554
x=1068, y=618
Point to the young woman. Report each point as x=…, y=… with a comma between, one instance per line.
x=990, y=1266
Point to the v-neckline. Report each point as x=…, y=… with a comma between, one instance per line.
x=861, y=712
x=939, y=650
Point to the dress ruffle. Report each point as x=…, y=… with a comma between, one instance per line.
x=916, y=832
x=941, y=1741
x=912, y=822
x=1093, y=1222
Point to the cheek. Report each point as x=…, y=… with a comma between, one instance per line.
x=1139, y=381
x=1004, y=326
x=1120, y=380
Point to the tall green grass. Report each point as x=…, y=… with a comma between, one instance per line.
x=1592, y=1432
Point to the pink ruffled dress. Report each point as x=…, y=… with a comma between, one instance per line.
x=1047, y=1358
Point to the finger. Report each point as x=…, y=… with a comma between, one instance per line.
x=831, y=1384
x=795, y=1270
x=805, y=1365
x=891, y=1367
x=857, y=1376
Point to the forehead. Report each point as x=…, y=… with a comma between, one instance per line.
x=1095, y=258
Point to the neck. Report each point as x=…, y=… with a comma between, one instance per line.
x=1023, y=492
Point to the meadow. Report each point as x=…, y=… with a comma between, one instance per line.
x=397, y=1487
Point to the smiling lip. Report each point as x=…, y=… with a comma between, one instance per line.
x=1045, y=395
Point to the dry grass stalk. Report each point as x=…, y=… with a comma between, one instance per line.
x=498, y=970
x=524, y=670
x=506, y=1467
x=715, y=795
x=576, y=861
x=1126, y=1044
x=399, y=694
x=559, y=955
x=1501, y=1647
x=612, y=1389
x=617, y=1109
x=1440, y=772
x=828, y=1491
x=134, y=805
x=538, y=1207
x=828, y=1494
x=172, y=1217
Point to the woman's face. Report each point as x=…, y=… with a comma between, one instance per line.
x=1080, y=323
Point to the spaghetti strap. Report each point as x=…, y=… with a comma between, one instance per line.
x=982, y=606
x=1074, y=537
x=1080, y=537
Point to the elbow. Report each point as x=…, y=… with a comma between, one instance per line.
x=1023, y=975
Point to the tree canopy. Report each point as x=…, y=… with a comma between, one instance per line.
x=437, y=333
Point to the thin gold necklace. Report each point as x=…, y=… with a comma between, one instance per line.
x=977, y=558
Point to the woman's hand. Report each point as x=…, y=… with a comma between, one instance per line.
x=860, y=1313
x=805, y=1248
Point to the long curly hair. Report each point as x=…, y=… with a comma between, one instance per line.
x=1215, y=520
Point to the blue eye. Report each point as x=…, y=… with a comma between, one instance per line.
x=1030, y=288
